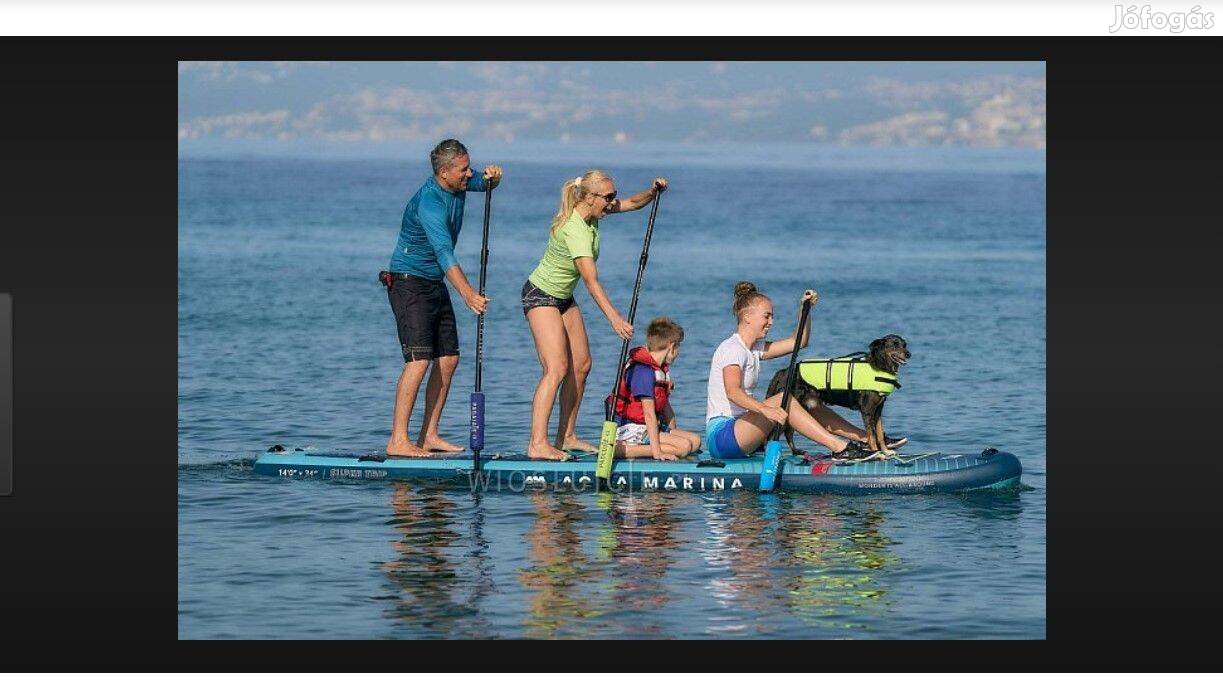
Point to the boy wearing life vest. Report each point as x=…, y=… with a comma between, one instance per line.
x=643, y=414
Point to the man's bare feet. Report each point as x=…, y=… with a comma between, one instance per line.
x=405, y=448
x=575, y=444
x=439, y=444
x=545, y=451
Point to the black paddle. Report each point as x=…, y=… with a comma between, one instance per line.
x=607, y=440
x=772, y=450
x=477, y=397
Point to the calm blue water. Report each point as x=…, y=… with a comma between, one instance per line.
x=285, y=337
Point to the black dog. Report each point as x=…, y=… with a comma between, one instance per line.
x=886, y=354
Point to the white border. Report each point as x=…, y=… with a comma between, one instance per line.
x=602, y=21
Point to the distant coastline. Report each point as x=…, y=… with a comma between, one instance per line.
x=778, y=155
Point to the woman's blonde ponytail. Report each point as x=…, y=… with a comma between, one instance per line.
x=573, y=191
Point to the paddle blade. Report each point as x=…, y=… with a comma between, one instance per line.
x=772, y=461
x=477, y=421
x=607, y=451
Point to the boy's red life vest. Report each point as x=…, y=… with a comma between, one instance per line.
x=628, y=407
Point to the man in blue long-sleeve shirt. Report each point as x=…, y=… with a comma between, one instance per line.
x=424, y=316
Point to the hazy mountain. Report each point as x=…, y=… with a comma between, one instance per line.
x=289, y=105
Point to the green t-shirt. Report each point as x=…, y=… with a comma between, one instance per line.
x=557, y=274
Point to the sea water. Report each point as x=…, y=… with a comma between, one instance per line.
x=286, y=337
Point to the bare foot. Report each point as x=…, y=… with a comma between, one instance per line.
x=575, y=444
x=405, y=449
x=545, y=452
x=439, y=444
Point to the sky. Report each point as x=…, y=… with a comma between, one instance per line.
x=357, y=108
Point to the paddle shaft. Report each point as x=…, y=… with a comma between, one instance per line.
x=488, y=204
x=632, y=309
x=477, y=396
x=789, y=388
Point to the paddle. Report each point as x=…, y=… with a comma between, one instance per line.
x=772, y=450
x=607, y=440
x=477, y=397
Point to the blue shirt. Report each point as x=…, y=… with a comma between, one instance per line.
x=430, y=228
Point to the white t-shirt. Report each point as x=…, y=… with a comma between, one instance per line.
x=732, y=351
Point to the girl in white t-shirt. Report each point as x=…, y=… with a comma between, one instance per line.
x=736, y=423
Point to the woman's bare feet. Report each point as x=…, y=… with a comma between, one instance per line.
x=405, y=449
x=545, y=451
x=438, y=444
x=575, y=444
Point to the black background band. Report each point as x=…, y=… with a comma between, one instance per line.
x=6, y=394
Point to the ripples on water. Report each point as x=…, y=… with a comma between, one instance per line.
x=284, y=337
x=397, y=560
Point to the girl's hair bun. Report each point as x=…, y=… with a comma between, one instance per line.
x=746, y=295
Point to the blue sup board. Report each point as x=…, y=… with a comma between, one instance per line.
x=924, y=473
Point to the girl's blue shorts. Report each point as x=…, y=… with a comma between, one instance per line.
x=720, y=438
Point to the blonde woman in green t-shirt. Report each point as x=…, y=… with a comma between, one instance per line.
x=556, y=322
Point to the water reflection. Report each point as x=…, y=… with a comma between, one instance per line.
x=816, y=558
x=639, y=540
x=559, y=571
x=747, y=585
x=837, y=553
x=433, y=595
x=480, y=572
x=649, y=565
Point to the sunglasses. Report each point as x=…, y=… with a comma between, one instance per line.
x=607, y=197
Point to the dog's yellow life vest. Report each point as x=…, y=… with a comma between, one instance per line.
x=846, y=373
